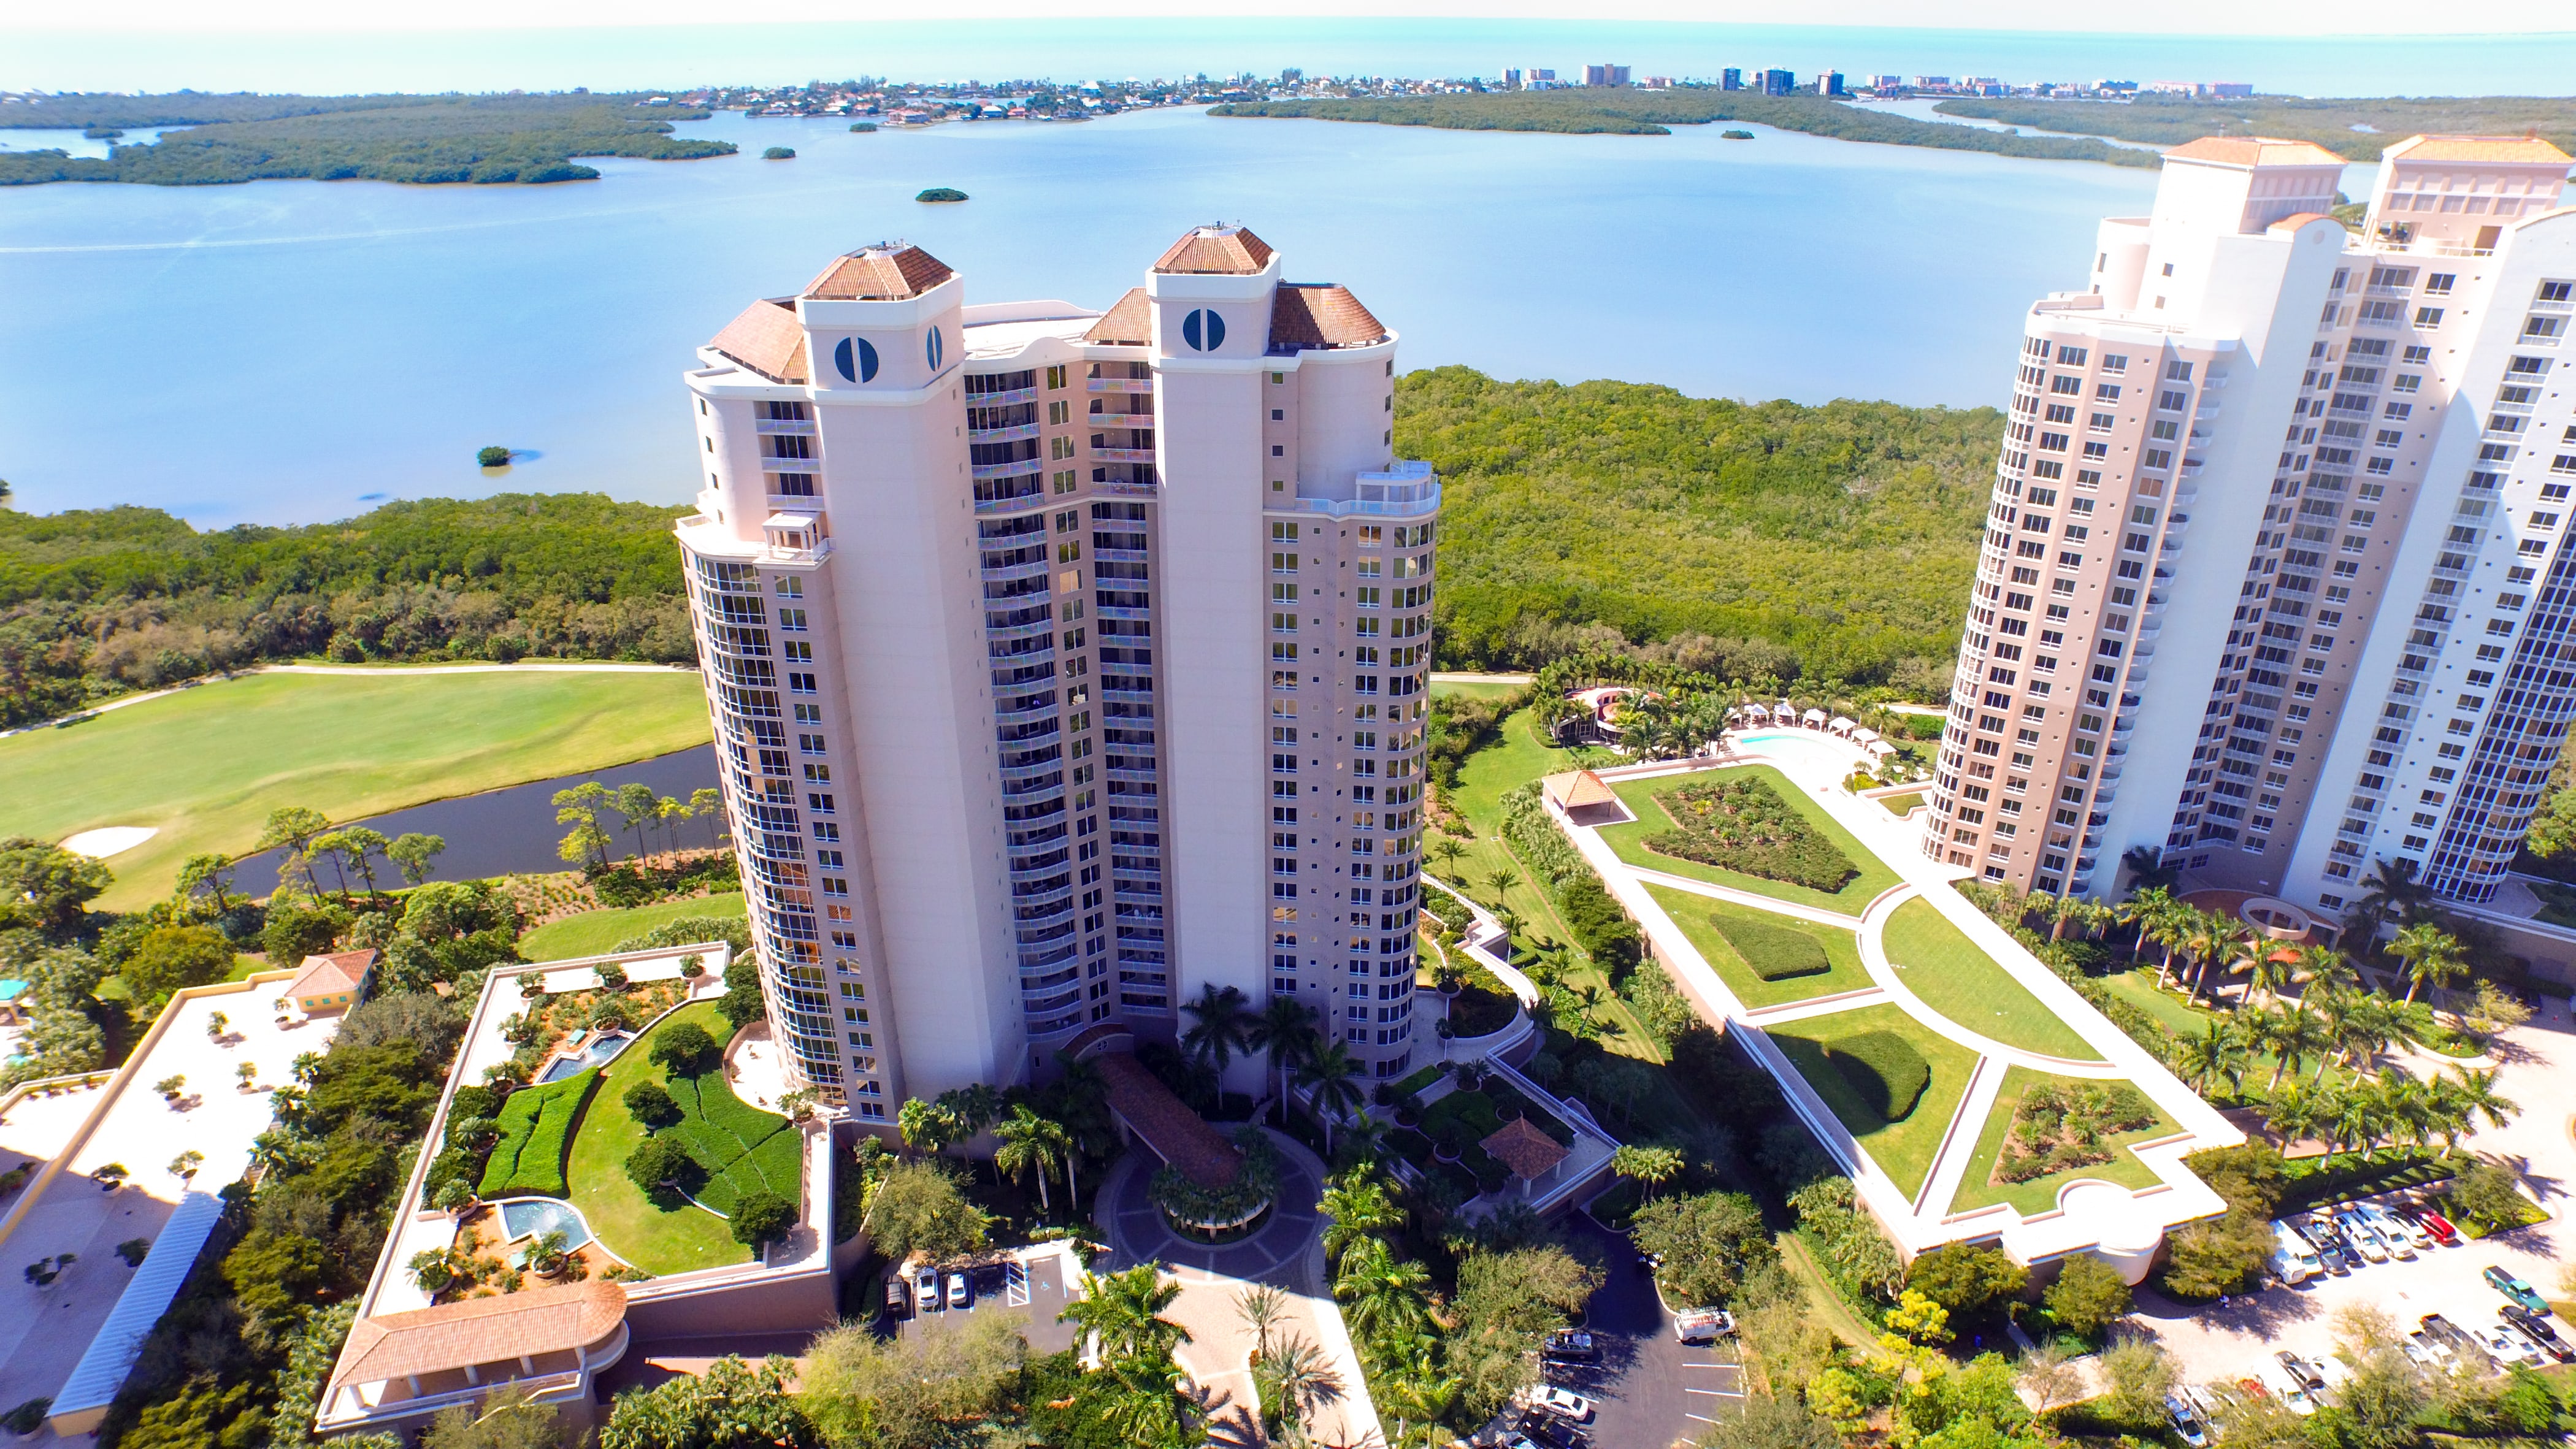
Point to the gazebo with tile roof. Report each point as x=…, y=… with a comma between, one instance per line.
x=1530, y=1153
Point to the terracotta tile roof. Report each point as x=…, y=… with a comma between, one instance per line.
x=1577, y=788
x=1527, y=1151
x=767, y=339
x=2255, y=151
x=1307, y=315
x=2295, y=221
x=1129, y=321
x=2508, y=150
x=480, y=1331
x=1179, y=1136
x=879, y=274
x=1222, y=250
x=330, y=975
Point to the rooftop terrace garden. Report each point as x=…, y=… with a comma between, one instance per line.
x=1765, y=959
x=2046, y=1132
x=1850, y=1058
x=1955, y=977
x=1749, y=827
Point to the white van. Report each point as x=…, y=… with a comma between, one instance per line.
x=2293, y=1261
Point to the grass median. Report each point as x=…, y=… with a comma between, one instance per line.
x=1955, y=977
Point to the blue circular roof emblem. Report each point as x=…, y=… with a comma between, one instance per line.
x=1203, y=330
x=856, y=358
x=934, y=349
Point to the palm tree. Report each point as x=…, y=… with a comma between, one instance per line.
x=2268, y=969
x=2169, y=928
x=1221, y=1023
x=2352, y=1115
x=1446, y=850
x=1261, y=1306
x=2430, y=954
x=2217, y=1052
x=2295, y=1114
x=1652, y=1166
x=1298, y=1379
x=1125, y=1311
x=2478, y=1098
x=1501, y=882
x=2141, y=910
x=1361, y=1142
x=2324, y=967
x=2227, y=943
x=2147, y=869
x=1355, y=1206
x=2391, y=890
x=1285, y=1030
x=1031, y=1143
x=1387, y=1296
x=2296, y=1033
x=1332, y=1081
x=2448, y=1111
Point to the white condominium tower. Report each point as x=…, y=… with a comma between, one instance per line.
x=2275, y=577
x=1063, y=663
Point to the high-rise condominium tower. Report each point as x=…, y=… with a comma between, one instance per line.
x=2275, y=580
x=1064, y=664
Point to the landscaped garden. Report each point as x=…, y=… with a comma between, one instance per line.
x=732, y=1150
x=1765, y=959
x=1781, y=831
x=1442, y=1139
x=1951, y=975
x=2047, y=1131
x=596, y=933
x=1829, y=1051
x=1901, y=806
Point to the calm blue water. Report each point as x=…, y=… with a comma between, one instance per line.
x=602, y=1050
x=295, y=351
x=527, y=1216
x=282, y=351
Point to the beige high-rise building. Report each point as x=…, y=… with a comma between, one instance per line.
x=1065, y=663
x=2274, y=580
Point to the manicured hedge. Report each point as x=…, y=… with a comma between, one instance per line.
x=1742, y=824
x=1775, y=953
x=1884, y=1068
x=536, y=1129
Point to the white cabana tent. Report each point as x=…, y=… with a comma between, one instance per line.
x=1843, y=725
x=1814, y=719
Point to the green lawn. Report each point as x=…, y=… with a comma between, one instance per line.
x=1692, y=914
x=676, y=1239
x=596, y=933
x=1629, y=841
x=1942, y=966
x=1903, y=1150
x=1901, y=805
x=205, y=766
x=1978, y=1189
x=2138, y=987
x=1474, y=688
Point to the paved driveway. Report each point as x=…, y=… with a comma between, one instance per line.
x=1653, y=1389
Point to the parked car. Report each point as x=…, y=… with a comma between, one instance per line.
x=2463, y=1346
x=2293, y=1260
x=2437, y=1227
x=925, y=1290
x=2363, y=1240
x=898, y=1297
x=1571, y=1345
x=2540, y=1330
x=2252, y=1388
x=2301, y=1372
x=1703, y=1325
x=2509, y=1345
x=2514, y=1288
x=959, y=1294
x=1553, y=1432
x=2403, y=1238
x=2206, y=1398
x=1564, y=1403
x=2331, y=1367
x=2424, y=1352
x=2187, y=1421
x=2296, y=1395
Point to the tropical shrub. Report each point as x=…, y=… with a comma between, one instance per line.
x=536, y=1130
x=1776, y=953
x=1884, y=1068
x=1740, y=823
x=762, y=1217
x=2060, y=1128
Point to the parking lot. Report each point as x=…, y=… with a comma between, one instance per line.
x=2222, y=1344
x=1036, y=1284
x=1650, y=1389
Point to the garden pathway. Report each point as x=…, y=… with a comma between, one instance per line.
x=1755, y=899
x=1817, y=764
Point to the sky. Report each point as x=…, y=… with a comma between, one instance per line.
x=2171, y=17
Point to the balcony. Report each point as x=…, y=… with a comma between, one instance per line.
x=1001, y=399
x=1021, y=468
x=1002, y=435
x=791, y=465
x=1120, y=384
x=1119, y=555
x=794, y=427
x=1025, y=570
x=1122, y=455
x=1141, y=418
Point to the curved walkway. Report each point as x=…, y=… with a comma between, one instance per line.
x=1489, y=929
x=1874, y=960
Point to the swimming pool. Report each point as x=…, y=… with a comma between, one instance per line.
x=526, y=1216
x=602, y=1049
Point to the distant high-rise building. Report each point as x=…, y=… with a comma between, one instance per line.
x=1730, y=79
x=1065, y=664
x=2276, y=581
x=1886, y=83
x=1605, y=75
x=1931, y=82
x=1830, y=83
x=1539, y=73
x=1778, y=83
x=1512, y=78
